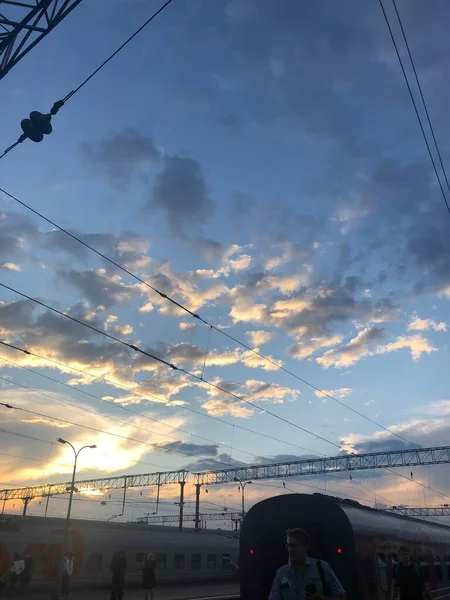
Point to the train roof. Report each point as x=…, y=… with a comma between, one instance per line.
x=21, y=521
x=359, y=515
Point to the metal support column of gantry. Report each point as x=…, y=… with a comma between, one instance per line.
x=198, y=487
x=180, y=525
x=24, y=23
x=26, y=501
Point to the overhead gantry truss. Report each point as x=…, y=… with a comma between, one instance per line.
x=163, y=519
x=439, y=511
x=23, y=24
x=89, y=485
x=335, y=464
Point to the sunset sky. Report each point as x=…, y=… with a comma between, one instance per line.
x=261, y=163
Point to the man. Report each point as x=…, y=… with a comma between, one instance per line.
x=408, y=579
x=304, y=578
x=67, y=574
x=118, y=568
x=28, y=570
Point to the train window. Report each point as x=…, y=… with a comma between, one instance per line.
x=139, y=558
x=179, y=561
x=423, y=561
x=211, y=562
x=94, y=562
x=447, y=565
x=161, y=561
x=196, y=561
x=382, y=573
x=226, y=559
x=437, y=567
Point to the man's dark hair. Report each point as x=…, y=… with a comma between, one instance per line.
x=299, y=534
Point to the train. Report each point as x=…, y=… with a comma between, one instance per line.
x=181, y=557
x=360, y=544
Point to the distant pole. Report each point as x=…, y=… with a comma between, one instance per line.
x=182, y=484
x=124, y=495
x=197, y=505
x=26, y=501
x=4, y=502
x=72, y=489
x=242, y=490
x=46, y=505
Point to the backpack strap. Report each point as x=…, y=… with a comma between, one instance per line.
x=322, y=577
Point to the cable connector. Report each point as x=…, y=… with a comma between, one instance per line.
x=55, y=108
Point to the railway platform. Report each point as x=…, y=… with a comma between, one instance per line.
x=207, y=591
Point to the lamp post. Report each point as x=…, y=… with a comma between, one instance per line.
x=241, y=488
x=72, y=489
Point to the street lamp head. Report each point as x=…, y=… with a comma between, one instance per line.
x=93, y=446
x=61, y=441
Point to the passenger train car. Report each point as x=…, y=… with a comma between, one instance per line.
x=187, y=556
x=359, y=543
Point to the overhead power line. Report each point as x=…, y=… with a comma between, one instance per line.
x=202, y=320
x=126, y=408
x=416, y=110
x=96, y=429
x=35, y=439
x=173, y=367
x=85, y=409
x=41, y=123
x=422, y=96
x=146, y=396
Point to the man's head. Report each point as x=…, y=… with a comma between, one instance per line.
x=404, y=555
x=297, y=543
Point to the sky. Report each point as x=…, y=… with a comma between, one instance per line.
x=260, y=163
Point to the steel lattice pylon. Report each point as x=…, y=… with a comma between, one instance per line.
x=24, y=24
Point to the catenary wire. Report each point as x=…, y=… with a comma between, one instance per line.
x=198, y=378
x=29, y=437
x=174, y=367
x=60, y=103
x=386, y=18
x=204, y=321
x=96, y=429
x=117, y=405
x=421, y=94
x=144, y=395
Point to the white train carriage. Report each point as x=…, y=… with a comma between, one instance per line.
x=187, y=556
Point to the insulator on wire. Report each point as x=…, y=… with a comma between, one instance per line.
x=37, y=126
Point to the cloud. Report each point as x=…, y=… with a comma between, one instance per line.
x=113, y=453
x=259, y=337
x=339, y=393
x=416, y=344
x=250, y=359
x=119, y=156
x=181, y=194
x=252, y=390
x=11, y=266
x=302, y=350
x=357, y=348
x=98, y=287
x=418, y=324
x=190, y=448
x=184, y=326
x=351, y=215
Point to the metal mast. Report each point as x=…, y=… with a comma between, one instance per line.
x=24, y=24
